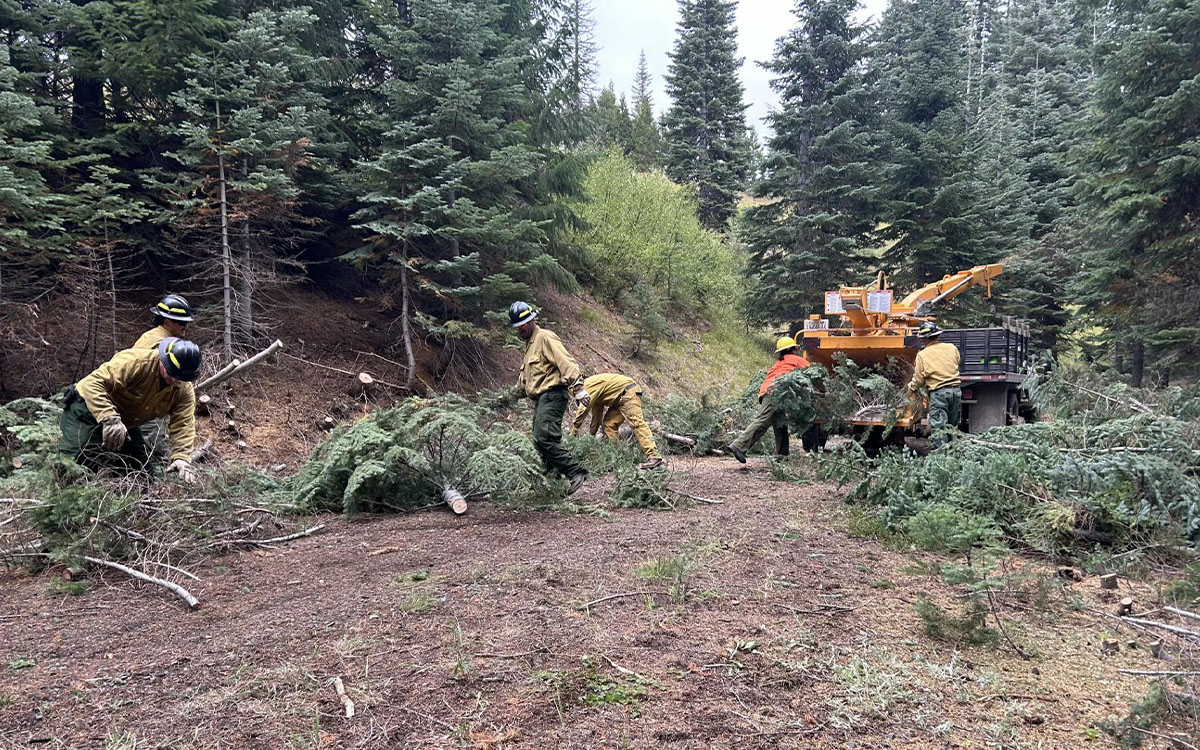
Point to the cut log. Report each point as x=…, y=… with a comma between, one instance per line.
x=455, y=500
x=203, y=402
x=201, y=451
x=1108, y=581
x=327, y=423
x=241, y=445
x=1125, y=606
x=680, y=439
x=232, y=426
x=1156, y=650
x=235, y=367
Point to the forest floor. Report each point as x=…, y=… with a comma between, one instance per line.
x=760, y=622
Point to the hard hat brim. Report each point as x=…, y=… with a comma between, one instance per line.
x=171, y=316
x=528, y=319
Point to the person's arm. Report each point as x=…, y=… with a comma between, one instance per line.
x=568, y=368
x=182, y=429
x=918, y=377
x=94, y=388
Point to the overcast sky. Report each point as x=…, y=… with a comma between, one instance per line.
x=625, y=27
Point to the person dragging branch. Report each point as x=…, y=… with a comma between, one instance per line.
x=613, y=399
x=102, y=411
x=787, y=359
x=549, y=375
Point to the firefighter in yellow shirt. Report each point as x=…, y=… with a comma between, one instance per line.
x=102, y=412
x=936, y=370
x=549, y=375
x=171, y=317
x=615, y=399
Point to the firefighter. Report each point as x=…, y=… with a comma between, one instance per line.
x=615, y=399
x=102, y=412
x=171, y=317
x=549, y=377
x=936, y=369
x=787, y=359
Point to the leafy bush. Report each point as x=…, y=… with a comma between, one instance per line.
x=641, y=227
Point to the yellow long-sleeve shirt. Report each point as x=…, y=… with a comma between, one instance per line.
x=547, y=364
x=152, y=338
x=604, y=390
x=936, y=367
x=129, y=386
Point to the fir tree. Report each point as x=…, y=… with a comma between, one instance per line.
x=645, y=143
x=820, y=206
x=705, y=127
x=1141, y=188
x=611, y=127
x=256, y=120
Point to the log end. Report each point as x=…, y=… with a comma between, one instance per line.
x=1108, y=581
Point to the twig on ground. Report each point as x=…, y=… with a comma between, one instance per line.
x=272, y=540
x=1174, y=740
x=538, y=650
x=1155, y=673
x=699, y=499
x=345, y=372
x=346, y=702
x=594, y=602
x=181, y=571
x=175, y=588
x=1173, y=628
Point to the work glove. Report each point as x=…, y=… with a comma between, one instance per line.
x=186, y=474
x=582, y=397
x=113, y=433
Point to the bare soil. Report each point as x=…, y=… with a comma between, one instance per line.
x=768, y=626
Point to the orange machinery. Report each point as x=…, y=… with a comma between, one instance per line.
x=874, y=327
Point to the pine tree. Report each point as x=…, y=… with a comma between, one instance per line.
x=1141, y=187
x=820, y=206
x=451, y=193
x=645, y=146
x=705, y=127
x=611, y=127
x=255, y=120
x=920, y=65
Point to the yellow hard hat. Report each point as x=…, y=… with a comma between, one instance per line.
x=784, y=342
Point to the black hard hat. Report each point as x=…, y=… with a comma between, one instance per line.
x=181, y=358
x=174, y=307
x=929, y=330
x=520, y=313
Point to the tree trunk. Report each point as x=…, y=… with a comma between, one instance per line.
x=226, y=255
x=405, y=329
x=112, y=288
x=1138, y=358
x=245, y=308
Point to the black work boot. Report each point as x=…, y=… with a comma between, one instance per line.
x=737, y=452
x=576, y=482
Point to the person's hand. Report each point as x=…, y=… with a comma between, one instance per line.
x=184, y=468
x=583, y=398
x=113, y=433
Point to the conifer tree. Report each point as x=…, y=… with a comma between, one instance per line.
x=645, y=146
x=1141, y=187
x=705, y=127
x=451, y=189
x=821, y=206
x=256, y=119
x=611, y=127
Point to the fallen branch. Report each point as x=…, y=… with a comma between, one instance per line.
x=180, y=571
x=201, y=453
x=274, y=540
x=680, y=439
x=620, y=596
x=699, y=499
x=1154, y=673
x=174, y=588
x=1164, y=626
x=1181, y=613
x=346, y=702
x=344, y=372
x=228, y=372
x=1175, y=741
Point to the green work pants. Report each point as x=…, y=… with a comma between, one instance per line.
x=82, y=441
x=765, y=418
x=945, y=410
x=547, y=433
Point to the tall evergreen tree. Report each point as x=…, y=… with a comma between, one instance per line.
x=256, y=120
x=645, y=147
x=452, y=188
x=611, y=127
x=1141, y=187
x=920, y=63
x=820, y=207
x=705, y=127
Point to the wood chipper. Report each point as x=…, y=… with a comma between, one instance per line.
x=871, y=328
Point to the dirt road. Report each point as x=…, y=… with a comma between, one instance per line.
x=756, y=623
